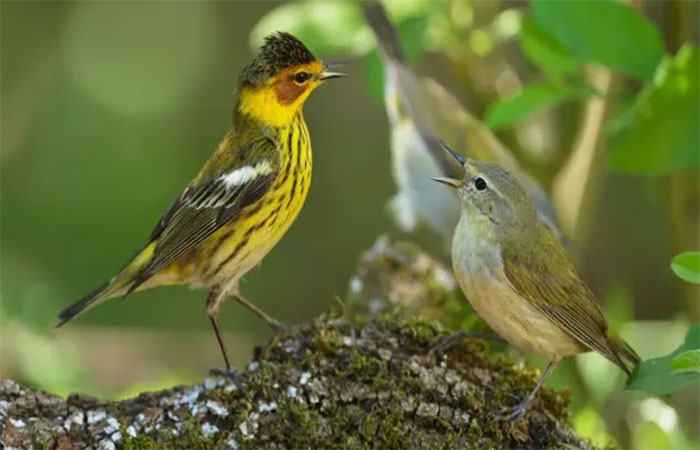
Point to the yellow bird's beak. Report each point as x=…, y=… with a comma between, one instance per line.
x=327, y=74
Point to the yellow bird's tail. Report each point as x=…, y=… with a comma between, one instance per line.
x=121, y=284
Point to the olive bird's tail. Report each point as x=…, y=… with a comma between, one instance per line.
x=626, y=358
x=385, y=33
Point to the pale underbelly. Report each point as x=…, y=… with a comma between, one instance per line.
x=517, y=321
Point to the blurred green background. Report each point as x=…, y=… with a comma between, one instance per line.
x=108, y=110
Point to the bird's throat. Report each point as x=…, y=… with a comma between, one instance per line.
x=263, y=105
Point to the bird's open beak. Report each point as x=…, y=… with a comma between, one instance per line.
x=451, y=182
x=460, y=159
x=327, y=74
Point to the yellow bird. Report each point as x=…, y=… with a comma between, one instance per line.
x=245, y=197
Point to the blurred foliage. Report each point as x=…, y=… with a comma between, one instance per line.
x=659, y=133
x=329, y=28
x=660, y=376
x=607, y=32
x=673, y=372
x=688, y=361
x=411, y=32
x=687, y=266
x=103, y=127
x=546, y=52
x=523, y=103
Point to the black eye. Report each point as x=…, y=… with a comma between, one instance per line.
x=301, y=77
x=480, y=184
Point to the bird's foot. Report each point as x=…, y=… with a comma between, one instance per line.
x=449, y=340
x=279, y=329
x=233, y=375
x=513, y=413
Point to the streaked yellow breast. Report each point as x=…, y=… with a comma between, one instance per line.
x=240, y=245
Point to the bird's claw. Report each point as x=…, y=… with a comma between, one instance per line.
x=279, y=329
x=450, y=339
x=511, y=414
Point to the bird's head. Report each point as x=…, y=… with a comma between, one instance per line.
x=489, y=191
x=275, y=84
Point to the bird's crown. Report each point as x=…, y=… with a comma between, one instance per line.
x=279, y=51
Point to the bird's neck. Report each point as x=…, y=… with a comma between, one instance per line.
x=474, y=243
x=263, y=105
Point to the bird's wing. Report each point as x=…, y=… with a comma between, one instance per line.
x=548, y=280
x=212, y=201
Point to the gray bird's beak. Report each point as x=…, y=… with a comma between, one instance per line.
x=327, y=74
x=460, y=159
x=451, y=182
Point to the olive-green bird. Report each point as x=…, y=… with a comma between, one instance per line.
x=245, y=197
x=423, y=113
x=520, y=279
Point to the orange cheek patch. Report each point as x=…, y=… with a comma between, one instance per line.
x=287, y=91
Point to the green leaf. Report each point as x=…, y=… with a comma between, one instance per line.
x=656, y=376
x=687, y=266
x=661, y=134
x=604, y=31
x=329, y=29
x=688, y=361
x=504, y=113
x=545, y=51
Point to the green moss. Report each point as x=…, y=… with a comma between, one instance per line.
x=372, y=385
x=140, y=441
x=392, y=433
x=326, y=341
x=42, y=441
x=474, y=432
x=364, y=367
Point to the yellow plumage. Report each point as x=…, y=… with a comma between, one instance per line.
x=245, y=197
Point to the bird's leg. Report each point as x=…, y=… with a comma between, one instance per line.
x=213, y=302
x=272, y=322
x=450, y=339
x=514, y=413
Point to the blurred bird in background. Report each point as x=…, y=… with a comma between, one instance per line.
x=422, y=113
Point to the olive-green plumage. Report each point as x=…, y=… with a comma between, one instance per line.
x=519, y=278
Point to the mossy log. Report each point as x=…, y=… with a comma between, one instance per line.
x=369, y=382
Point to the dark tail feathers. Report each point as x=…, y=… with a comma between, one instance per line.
x=82, y=304
x=625, y=356
x=386, y=35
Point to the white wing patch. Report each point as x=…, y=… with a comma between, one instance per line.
x=245, y=174
x=224, y=189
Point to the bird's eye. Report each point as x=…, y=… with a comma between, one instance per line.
x=301, y=77
x=480, y=184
